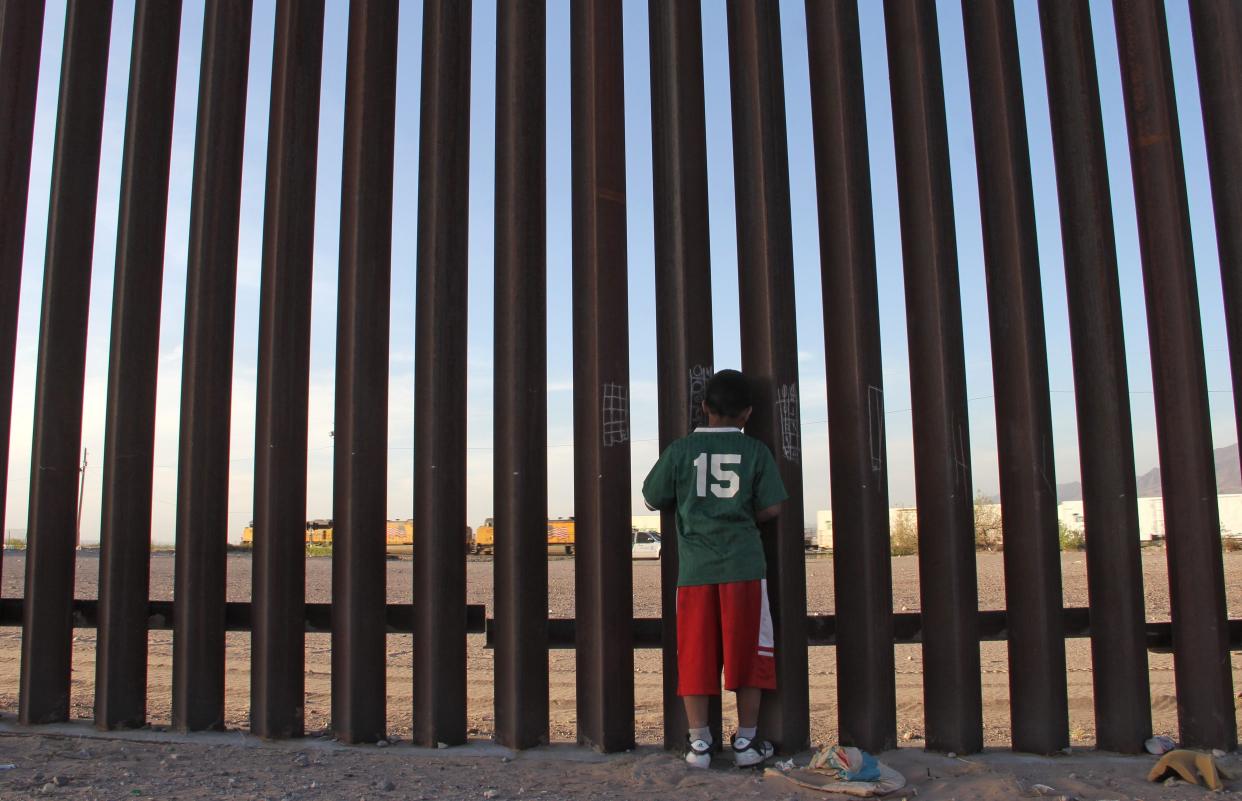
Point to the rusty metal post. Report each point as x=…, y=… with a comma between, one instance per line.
x=207, y=370
x=1105, y=440
x=683, y=282
x=21, y=43
x=440, y=377
x=1039, y=708
x=603, y=575
x=521, y=399
x=47, y=614
x=360, y=460
x=278, y=676
x=866, y=690
x=769, y=339
x=952, y=696
x=125, y=532
x=1187, y=470
x=1217, y=28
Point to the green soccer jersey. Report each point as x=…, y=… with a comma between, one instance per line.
x=717, y=479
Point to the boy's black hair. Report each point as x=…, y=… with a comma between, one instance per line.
x=727, y=393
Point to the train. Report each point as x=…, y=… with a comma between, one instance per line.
x=560, y=537
x=398, y=535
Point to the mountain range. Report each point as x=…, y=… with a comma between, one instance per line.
x=1228, y=478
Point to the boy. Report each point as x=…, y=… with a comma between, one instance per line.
x=721, y=482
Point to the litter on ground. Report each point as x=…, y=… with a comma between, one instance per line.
x=838, y=769
x=1190, y=766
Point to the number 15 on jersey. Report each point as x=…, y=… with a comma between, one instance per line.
x=725, y=482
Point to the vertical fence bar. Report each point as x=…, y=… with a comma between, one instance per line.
x=1217, y=28
x=207, y=370
x=521, y=400
x=125, y=533
x=1187, y=470
x=1105, y=440
x=769, y=339
x=603, y=572
x=47, y=618
x=866, y=690
x=1039, y=709
x=683, y=282
x=21, y=43
x=360, y=458
x=277, y=676
x=952, y=696
x=440, y=377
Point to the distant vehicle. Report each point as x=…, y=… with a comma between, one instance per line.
x=646, y=545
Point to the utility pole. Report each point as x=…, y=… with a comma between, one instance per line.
x=77, y=536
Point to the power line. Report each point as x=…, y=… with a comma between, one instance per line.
x=561, y=445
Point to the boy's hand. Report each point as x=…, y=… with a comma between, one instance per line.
x=764, y=515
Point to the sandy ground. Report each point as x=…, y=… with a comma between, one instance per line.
x=74, y=762
x=645, y=773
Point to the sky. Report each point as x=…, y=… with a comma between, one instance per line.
x=640, y=251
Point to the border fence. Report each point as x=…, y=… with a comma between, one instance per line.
x=949, y=625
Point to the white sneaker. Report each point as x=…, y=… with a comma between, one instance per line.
x=748, y=753
x=698, y=753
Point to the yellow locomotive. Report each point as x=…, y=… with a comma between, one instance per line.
x=560, y=536
x=398, y=535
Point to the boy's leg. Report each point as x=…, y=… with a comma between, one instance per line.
x=698, y=665
x=748, y=699
x=748, y=749
x=749, y=663
x=698, y=648
x=749, y=648
x=696, y=710
x=699, y=738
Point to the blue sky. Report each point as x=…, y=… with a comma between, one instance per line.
x=641, y=254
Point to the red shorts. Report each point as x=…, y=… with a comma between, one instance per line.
x=729, y=625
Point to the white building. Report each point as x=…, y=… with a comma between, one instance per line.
x=1230, y=515
x=1070, y=513
x=1152, y=525
x=649, y=522
x=823, y=529
x=823, y=523
x=1073, y=516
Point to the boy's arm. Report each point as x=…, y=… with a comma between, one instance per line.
x=769, y=489
x=659, y=489
x=770, y=513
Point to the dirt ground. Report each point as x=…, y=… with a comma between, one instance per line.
x=351, y=772
x=74, y=762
